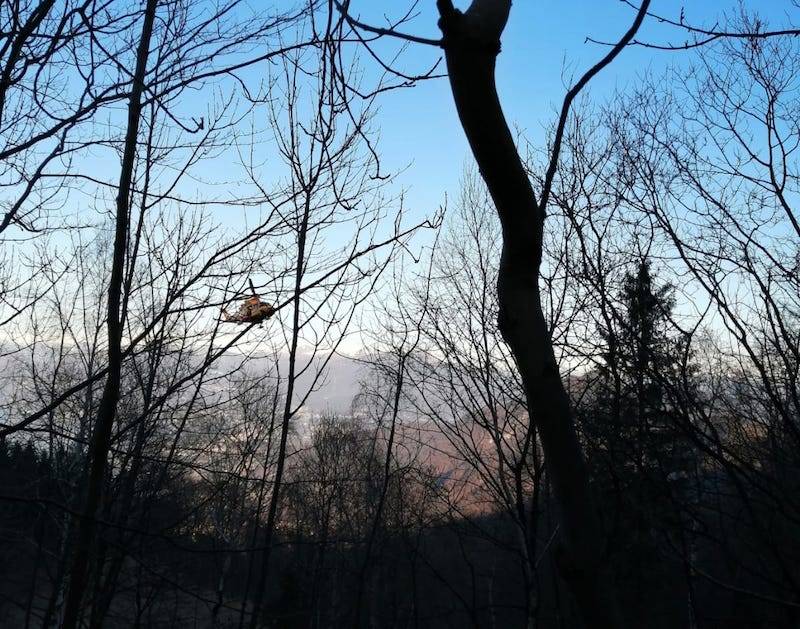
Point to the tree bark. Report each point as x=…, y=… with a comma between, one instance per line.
x=107, y=411
x=471, y=43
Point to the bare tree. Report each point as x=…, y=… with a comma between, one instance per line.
x=471, y=43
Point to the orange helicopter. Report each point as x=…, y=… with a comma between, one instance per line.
x=252, y=310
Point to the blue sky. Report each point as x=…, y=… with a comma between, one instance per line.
x=544, y=42
x=543, y=46
x=419, y=133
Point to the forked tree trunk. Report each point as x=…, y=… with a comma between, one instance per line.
x=471, y=43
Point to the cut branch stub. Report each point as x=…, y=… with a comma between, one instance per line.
x=479, y=28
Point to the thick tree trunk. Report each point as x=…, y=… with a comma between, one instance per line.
x=471, y=43
x=107, y=411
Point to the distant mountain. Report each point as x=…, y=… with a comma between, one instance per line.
x=333, y=393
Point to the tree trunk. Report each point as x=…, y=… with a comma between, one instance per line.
x=288, y=414
x=107, y=411
x=471, y=43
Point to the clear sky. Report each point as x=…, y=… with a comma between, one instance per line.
x=543, y=44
